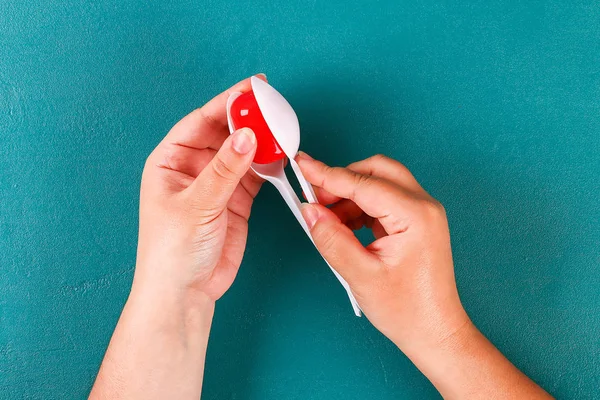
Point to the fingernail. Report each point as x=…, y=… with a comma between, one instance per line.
x=243, y=141
x=263, y=75
x=310, y=214
x=303, y=156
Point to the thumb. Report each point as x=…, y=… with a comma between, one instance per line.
x=213, y=187
x=337, y=243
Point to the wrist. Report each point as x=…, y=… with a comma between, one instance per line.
x=443, y=360
x=467, y=365
x=430, y=331
x=171, y=307
x=159, y=344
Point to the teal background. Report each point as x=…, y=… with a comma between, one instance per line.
x=494, y=106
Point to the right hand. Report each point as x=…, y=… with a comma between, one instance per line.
x=404, y=280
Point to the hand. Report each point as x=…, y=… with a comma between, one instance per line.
x=196, y=195
x=404, y=280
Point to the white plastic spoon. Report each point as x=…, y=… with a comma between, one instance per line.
x=274, y=173
x=284, y=126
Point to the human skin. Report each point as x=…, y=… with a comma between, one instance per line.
x=196, y=195
x=404, y=280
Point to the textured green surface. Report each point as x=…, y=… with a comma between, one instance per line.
x=495, y=106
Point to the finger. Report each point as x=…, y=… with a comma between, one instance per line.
x=377, y=197
x=191, y=162
x=186, y=160
x=213, y=187
x=207, y=126
x=346, y=210
x=354, y=218
x=377, y=229
x=240, y=202
x=339, y=246
x=359, y=222
x=365, y=221
x=386, y=168
x=323, y=196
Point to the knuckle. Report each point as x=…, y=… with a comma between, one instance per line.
x=326, y=173
x=199, y=210
x=170, y=158
x=222, y=170
x=328, y=238
x=360, y=179
x=327, y=170
x=433, y=209
x=382, y=159
x=207, y=118
x=379, y=158
x=359, y=183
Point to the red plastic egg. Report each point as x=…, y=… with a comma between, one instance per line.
x=245, y=113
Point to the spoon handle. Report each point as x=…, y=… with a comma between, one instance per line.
x=291, y=199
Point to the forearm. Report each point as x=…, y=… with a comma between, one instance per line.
x=158, y=348
x=467, y=365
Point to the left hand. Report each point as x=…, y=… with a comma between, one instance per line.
x=196, y=195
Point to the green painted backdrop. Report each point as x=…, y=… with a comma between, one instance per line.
x=495, y=106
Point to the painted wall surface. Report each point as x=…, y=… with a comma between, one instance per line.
x=495, y=107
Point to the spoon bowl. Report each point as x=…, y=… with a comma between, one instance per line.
x=283, y=123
